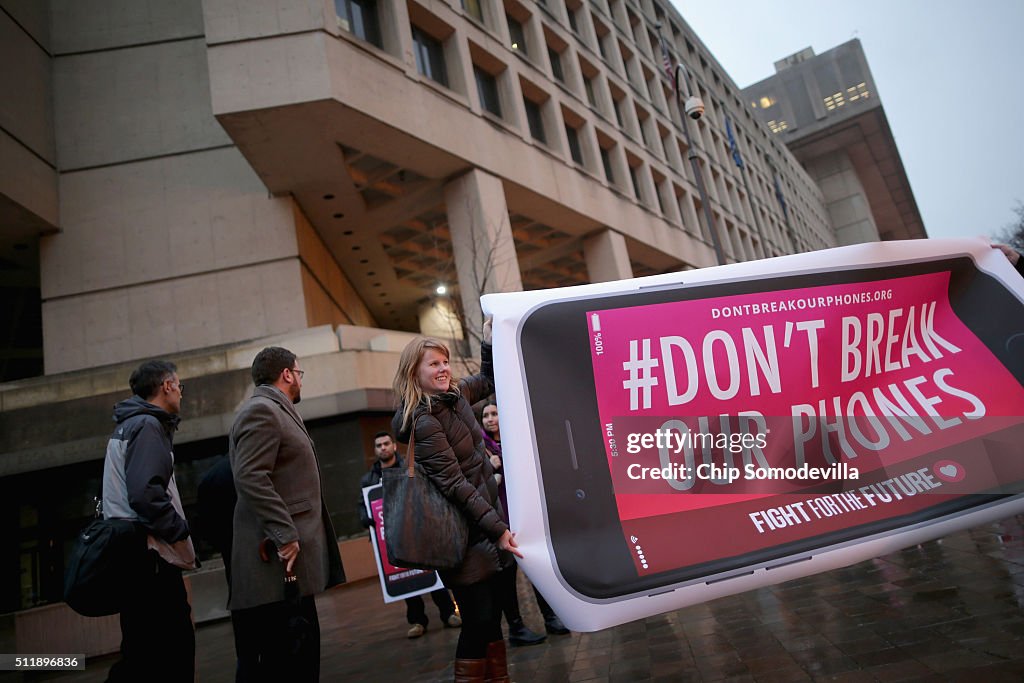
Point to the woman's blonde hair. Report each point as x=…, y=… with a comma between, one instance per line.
x=408, y=393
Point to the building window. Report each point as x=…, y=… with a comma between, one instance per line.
x=632, y=71
x=474, y=9
x=855, y=92
x=359, y=17
x=574, y=144
x=517, y=34
x=572, y=21
x=834, y=100
x=636, y=182
x=536, y=121
x=556, y=65
x=606, y=161
x=646, y=135
x=618, y=114
x=487, y=86
x=429, y=56
x=661, y=200
x=778, y=126
x=588, y=85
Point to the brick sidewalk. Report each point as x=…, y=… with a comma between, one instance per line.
x=949, y=609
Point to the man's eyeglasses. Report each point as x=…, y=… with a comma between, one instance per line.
x=296, y=371
x=179, y=384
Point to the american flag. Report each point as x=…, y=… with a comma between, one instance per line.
x=666, y=61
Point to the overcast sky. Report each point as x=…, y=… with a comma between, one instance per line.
x=949, y=74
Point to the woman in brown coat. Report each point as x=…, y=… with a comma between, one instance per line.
x=449, y=446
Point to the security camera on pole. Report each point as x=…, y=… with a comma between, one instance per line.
x=693, y=107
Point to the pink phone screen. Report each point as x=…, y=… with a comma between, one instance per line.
x=736, y=424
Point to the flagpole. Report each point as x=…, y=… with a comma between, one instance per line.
x=753, y=209
x=691, y=151
x=738, y=158
x=785, y=212
x=691, y=154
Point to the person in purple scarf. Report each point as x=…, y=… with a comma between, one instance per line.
x=518, y=633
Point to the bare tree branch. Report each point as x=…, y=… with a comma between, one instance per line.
x=1013, y=233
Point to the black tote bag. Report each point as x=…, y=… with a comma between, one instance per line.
x=422, y=529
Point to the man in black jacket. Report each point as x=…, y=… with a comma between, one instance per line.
x=415, y=610
x=157, y=639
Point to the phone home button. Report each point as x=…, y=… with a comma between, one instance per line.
x=1015, y=343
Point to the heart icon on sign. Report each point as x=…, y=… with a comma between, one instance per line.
x=950, y=471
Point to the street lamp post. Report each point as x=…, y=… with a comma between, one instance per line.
x=693, y=108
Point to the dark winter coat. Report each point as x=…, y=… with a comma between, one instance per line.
x=138, y=472
x=372, y=478
x=277, y=478
x=449, y=446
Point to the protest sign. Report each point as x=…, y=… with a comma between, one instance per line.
x=396, y=583
x=702, y=433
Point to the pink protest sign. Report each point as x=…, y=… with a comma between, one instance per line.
x=846, y=384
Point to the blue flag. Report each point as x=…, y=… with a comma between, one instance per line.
x=733, y=147
x=778, y=195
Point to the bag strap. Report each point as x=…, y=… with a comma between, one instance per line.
x=410, y=451
x=97, y=511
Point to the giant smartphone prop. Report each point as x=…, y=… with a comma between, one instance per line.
x=765, y=421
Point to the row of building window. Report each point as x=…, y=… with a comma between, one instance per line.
x=852, y=94
x=359, y=17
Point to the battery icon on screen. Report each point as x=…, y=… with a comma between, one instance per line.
x=595, y=322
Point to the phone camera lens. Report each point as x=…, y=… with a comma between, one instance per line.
x=581, y=494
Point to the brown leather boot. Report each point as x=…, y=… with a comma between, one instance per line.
x=497, y=663
x=470, y=670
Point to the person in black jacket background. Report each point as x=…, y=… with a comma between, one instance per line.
x=415, y=610
x=449, y=446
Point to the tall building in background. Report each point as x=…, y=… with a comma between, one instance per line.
x=196, y=179
x=827, y=110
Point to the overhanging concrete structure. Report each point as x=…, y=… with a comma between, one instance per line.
x=827, y=110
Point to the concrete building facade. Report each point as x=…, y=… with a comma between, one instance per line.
x=194, y=179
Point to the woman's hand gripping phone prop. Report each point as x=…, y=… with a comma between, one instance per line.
x=687, y=436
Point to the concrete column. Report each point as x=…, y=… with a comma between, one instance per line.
x=438, y=318
x=571, y=70
x=535, y=44
x=481, y=233
x=395, y=32
x=669, y=201
x=845, y=198
x=607, y=257
x=460, y=68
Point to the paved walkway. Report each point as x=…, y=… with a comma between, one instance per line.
x=946, y=610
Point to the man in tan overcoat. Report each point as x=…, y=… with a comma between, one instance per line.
x=277, y=477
